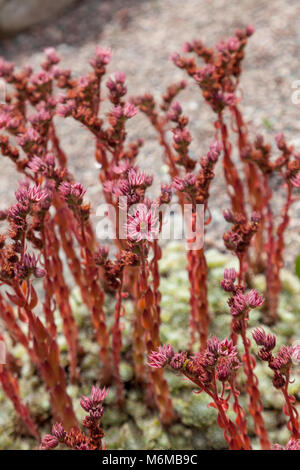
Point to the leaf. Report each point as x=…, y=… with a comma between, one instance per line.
x=297, y=266
x=33, y=299
x=16, y=299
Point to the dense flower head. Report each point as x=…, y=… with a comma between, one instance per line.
x=29, y=137
x=283, y=359
x=239, y=237
x=220, y=358
x=293, y=444
x=98, y=394
x=41, y=79
x=32, y=194
x=86, y=403
x=46, y=166
x=6, y=69
x=227, y=348
x=268, y=341
x=230, y=276
x=280, y=141
x=254, y=299
x=52, y=55
x=65, y=108
x=139, y=178
x=126, y=112
x=185, y=184
x=116, y=87
x=182, y=137
x=239, y=305
x=101, y=59
x=161, y=357
x=178, y=360
x=213, y=345
x=30, y=265
x=214, y=151
x=93, y=404
x=174, y=111
x=259, y=336
x=49, y=442
x=58, y=431
x=165, y=194
x=72, y=192
x=43, y=116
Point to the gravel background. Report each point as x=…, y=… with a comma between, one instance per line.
x=142, y=35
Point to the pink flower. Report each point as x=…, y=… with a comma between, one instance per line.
x=228, y=216
x=117, y=112
x=187, y=47
x=130, y=110
x=52, y=55
x=182, y=136
x=122, y=167
x=30, y=136
x=250, y=30
x=84, y=81
x=32, y=194
x=58, y=431
x=229, y=277
x=86, y=403
x=214, y=151
x=280, y=141
x=144, y=225
x=139, y=178
x=226, y=348
x=160, y=358
x=254, y=299
x=3, y=119
x=239, y=305
x=259, y=336
x=37, y=194
x=102, y=57
x=65, y=109
x=233, y=44
x=49, y=442
x=174, y=112
x=120, y=77
x=293, y=444
x=184, y=184
x=98, y=394
x=41, y=78
x=178, y=360
x=204, y=73
x=296, y=354
x=229, y=99
x=223, y=371
x=29, y=267
x=73, y=193
x=213, y=345
x=296, y=181
x=6, y=69
x=167, y=350
x=175, y=57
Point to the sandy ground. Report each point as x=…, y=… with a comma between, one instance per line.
x=142, y=35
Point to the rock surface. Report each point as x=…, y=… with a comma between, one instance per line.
x=17, y=15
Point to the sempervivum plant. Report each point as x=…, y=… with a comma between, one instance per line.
x=48, y=244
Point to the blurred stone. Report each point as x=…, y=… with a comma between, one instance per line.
x=17, y=15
